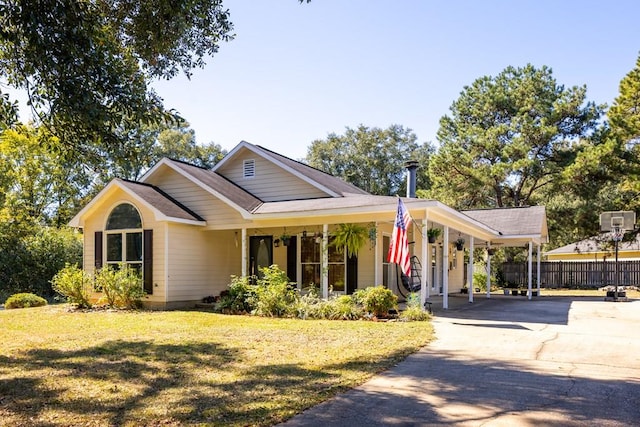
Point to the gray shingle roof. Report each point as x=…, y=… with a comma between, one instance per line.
x=512, y=221
x=161, y=201
x=220, y=184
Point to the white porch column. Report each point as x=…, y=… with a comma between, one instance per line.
x=470, y=269
x=530, y=272
x=488, y=271
x=324, y=269
x=445, y=268
x=538, y=268
x=244, y=252
x=377, y=253
x=424, y=286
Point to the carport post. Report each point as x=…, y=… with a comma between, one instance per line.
x=530, y=272
x=470, y=269
x=489, y=270
x=445, y=268
x=538, y=268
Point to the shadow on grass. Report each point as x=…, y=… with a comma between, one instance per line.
x=142, y=382
x=116, y=377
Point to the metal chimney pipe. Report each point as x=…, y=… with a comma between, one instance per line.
x=411, y=166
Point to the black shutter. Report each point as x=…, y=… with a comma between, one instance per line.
x=352, y=274
x=147, y=261
x=292, y=258
x=97, y=250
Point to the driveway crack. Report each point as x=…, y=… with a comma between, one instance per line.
x=544, y=343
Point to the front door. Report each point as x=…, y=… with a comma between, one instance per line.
x=260, y=254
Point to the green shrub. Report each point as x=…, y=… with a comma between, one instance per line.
x=71, y=282
x=237, y=298
x=414, y=311
x=480, y=280
x=30, y=255
x=342, y=307
x=24, y=300
x=309, y=305
x=376, y=300
x=122, y=286
x=274, y=296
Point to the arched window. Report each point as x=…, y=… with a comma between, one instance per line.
x=124, y=238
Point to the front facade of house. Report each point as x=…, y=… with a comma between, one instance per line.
x=188, y=229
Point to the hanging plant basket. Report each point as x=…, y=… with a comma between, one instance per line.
x=350, y=238
x=433, y=234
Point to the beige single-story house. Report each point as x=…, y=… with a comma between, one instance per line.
x=188, y=229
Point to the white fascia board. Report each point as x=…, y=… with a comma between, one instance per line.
x=266, y=156
x=535, y=238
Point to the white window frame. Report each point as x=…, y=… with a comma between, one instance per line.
x=123, y=233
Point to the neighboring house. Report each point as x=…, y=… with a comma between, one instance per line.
x=597, y=248
x=188, y=229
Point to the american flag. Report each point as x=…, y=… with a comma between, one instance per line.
x=399, y=248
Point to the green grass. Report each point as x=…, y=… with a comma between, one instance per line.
x=184, y=367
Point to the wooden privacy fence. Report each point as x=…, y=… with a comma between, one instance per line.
x=556, y=274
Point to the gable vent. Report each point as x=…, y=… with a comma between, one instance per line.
x=249, y=168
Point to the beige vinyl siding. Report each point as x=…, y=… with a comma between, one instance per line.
x=201, y=262
x=367, y=266
x=456, y=275
x=214, y=211
x=270, y=183
x=97, y=221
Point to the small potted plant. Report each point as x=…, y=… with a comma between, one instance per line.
x=285, y=239
x=460, y=243
x=491, y=251
x=433, y=234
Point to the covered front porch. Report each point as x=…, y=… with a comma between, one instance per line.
x=301, y=245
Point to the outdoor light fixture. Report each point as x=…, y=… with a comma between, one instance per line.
x=276, y=243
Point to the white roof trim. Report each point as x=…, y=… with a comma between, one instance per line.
x=265, y=155
x=77, y=221
x=208, y=189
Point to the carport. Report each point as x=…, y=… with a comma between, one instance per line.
x=484, y=228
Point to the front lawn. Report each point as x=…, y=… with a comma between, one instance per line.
x=184, y=367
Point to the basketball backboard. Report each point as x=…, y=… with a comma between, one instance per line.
x=617, y=221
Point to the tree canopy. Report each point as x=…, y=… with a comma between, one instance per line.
x=507, y=137
x=86, y=65
x=372, y=158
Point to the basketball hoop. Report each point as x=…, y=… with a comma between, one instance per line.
x=617, y=223
x=617, y=234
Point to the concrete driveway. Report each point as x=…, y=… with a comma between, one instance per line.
x=507, y=362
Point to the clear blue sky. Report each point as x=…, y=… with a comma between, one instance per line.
x=297, y=72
